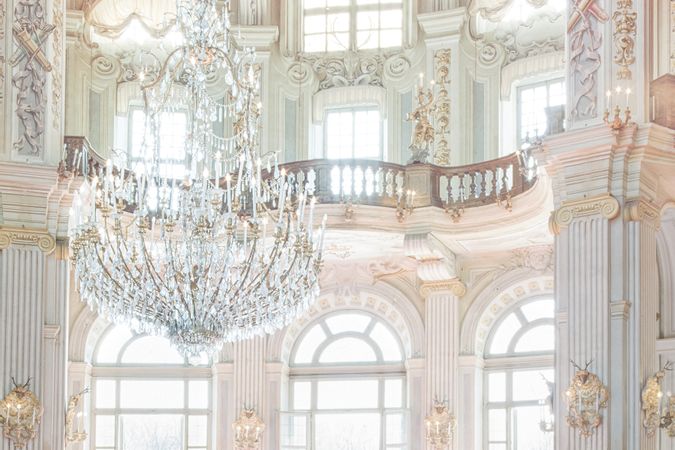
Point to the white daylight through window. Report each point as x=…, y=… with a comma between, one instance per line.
x=347, y=387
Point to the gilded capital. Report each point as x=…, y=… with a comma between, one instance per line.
x=26, y=236
x=454, y=287
x=641, y=210
x=605, y=205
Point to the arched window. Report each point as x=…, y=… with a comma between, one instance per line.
x=338, y=25
x=519, y=378
x=347, y=386
x=146, y=396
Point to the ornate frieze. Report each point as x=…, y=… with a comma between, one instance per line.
x=624, y=38
x=31, y=31
x=57, y=51
x=25, y=236
x=604, y=205
x=349, y=69
x=538, y=258
x=3, y=12
x=585, y=39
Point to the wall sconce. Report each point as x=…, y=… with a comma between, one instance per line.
x=76, y=418
x=586, y=396
x=546, y=422
x=616, y=123
x=20, y=414
x=652, y=416
x=440, y=427
x=248, y=430
x=405, y=204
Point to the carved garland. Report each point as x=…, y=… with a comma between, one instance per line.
x=624, y=33
x=57, y=48
x=442, y=113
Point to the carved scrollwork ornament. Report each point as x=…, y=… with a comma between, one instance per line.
x=23, y=236
x=396, y=67
x=641, y=210
x=586, y=397
x=605, y=205
x=456, y=287
x=651, y=400
x=624, y=19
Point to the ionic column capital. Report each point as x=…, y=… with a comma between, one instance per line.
x=42, y=239
x=642, y=210
x=453, y=287
x=605, y=205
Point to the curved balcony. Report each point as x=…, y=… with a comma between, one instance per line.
x=377, y=183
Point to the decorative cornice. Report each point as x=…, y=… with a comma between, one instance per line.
x=605, y=205
x=455, y=287
x=641, y=210
x=26, y=236
x=442, y=23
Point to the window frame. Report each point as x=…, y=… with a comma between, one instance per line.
x=315, y=371
x=352, y=10
x=119, y=371
x=512, y=362
x=353, y=110
x=520, y=140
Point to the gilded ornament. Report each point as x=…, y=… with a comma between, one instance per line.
x=20, y=414
x=624, y=38
x=651, y=400
x=248, y=430
x=440, y=427
x=442, y=110
x=423, y=134
x=25, y=236
x=72, y=414
x=586, y=396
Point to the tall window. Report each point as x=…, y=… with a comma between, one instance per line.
x=533, y=100
x=146, y=396
x=353, y=133
x=519, y=379
x=173, y=126
x=336, y=25
x=347, y=387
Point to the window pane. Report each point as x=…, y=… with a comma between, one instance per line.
x=293, y=430
x=497, y=425
x=538, y=339
x=497, y=387
x=105, y=393
x=348, y=431
x=390, y=38
x=302, y=395
x=315, y=43
x=197, y=431
x=502, y=337
x=393, y=393
x=348, y=350
x=367, y=20
x=105, y=431
x=529, y=384
x=337, y=22
x=198, y=394
x=347, y=394
x=151, y=394
x=151, y=350
x=388, y=344
x=396, y=429
x=538, y=310
x=348, y=322
x=109, y=348
x=367, y=39
x=305, y=351
x=309, y=4
x=337, y=42
x=152, y=432
x=527, y=434
x=315, y=24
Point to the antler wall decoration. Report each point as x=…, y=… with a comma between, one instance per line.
x=586, y=396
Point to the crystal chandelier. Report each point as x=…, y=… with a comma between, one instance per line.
x=440, y=427
x=224, y=254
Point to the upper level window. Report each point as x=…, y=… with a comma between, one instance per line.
x=519, y=378
x=146, y=396
x=173, y=126
x=348, y=388
x=337, y=25
x=533, y=99
x=353, y=133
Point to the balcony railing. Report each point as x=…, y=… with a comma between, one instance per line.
x=377, y=183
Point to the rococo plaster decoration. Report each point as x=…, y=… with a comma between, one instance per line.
x=3, y=9
x=672, y=36
x=585, y=40
x=57, y=51
x=538, y=258
x=624, y=38
x=349, y=69
x=31, y=32
x=24, y=236
x=442, y=113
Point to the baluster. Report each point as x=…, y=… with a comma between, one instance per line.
x=483, y=184
x=461, y=194
x=494, y=180
x=505, y=187
x=472, y=186
x=448, y=188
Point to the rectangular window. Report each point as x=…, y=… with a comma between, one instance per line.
x=353, y=133
x=338, y=25
x=172, y=131
x=532, y=102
